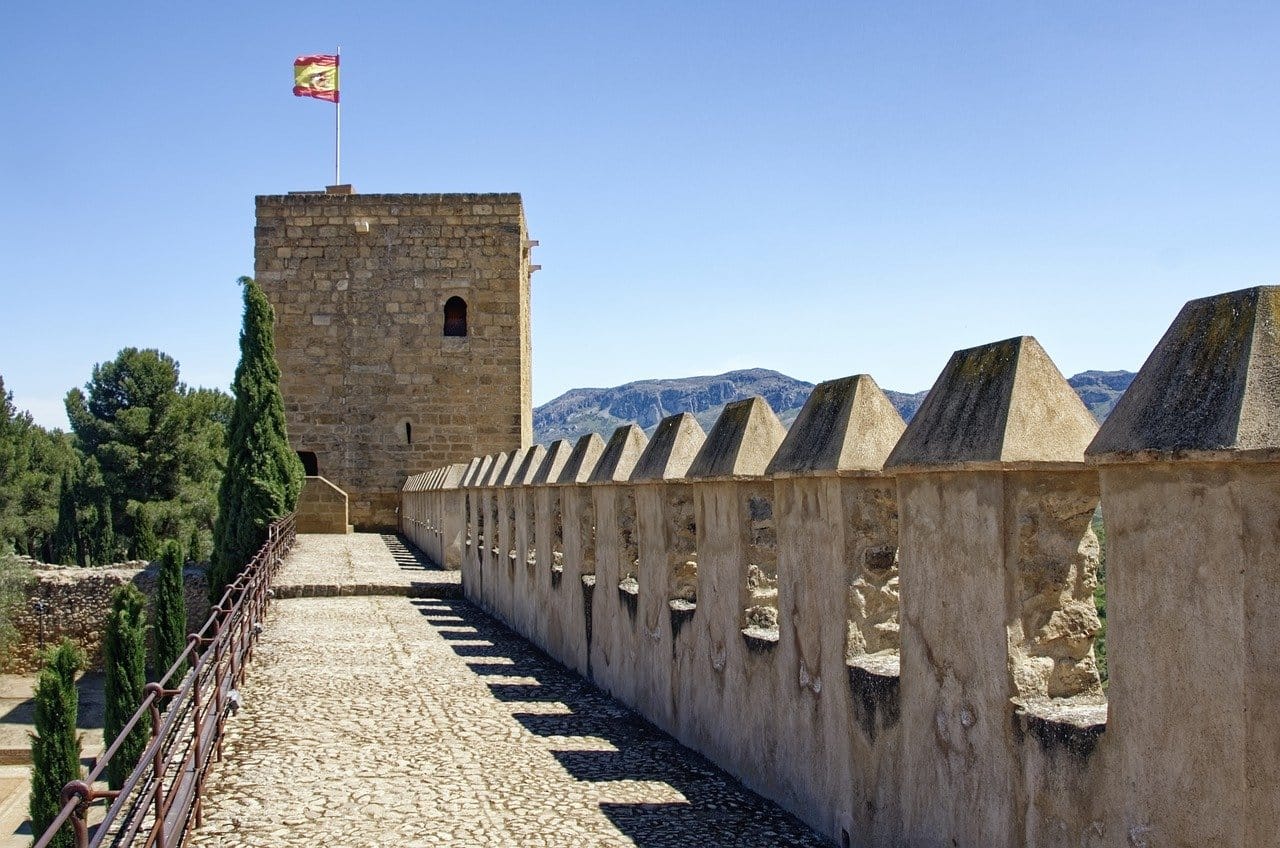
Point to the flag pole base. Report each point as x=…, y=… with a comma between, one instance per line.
x=345, y=188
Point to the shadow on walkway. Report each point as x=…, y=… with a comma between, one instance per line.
x=718, y=810
x=407, y=557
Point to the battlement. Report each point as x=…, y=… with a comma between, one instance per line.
x=889, y=628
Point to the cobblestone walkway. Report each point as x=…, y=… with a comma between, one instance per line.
x=392, y=721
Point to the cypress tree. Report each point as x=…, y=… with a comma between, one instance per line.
x=66, y=532
x=104, y=533
x=55, y=746
x=263, y=476
x=171, y=612
x=125, y=657
x=194, y=545
x=144, y=540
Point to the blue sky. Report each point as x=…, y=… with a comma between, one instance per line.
x=819, y=188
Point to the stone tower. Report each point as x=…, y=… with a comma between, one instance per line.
x=402, y=332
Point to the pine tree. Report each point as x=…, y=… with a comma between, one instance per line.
x=263, y=476
x=171, y=613
x=125, y=657
x=66, y=533
x=55, y=746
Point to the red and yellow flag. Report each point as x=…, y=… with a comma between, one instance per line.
x=316, y=76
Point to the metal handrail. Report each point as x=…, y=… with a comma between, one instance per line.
x=159, y=800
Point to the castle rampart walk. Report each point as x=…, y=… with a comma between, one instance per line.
x=374, y=718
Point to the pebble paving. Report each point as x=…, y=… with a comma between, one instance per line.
x=391, y=720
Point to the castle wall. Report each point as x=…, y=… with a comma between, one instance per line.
x=359, y=284
x=891, y=632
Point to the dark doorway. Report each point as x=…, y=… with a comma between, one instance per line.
x=309, y=465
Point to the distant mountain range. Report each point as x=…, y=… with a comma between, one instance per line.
x=646, y=402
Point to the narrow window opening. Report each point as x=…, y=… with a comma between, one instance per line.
x=455, y=317
x=408, y=433
x=760, y=618
x=310, y=466
x=628, y=531
x=682, y=548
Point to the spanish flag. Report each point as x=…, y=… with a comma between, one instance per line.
x=316, y=76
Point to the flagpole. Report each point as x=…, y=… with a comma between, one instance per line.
x=337, y=122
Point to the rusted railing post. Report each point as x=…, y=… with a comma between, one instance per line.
x=156, y=691
x=80, y=820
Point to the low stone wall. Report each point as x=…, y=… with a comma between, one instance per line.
x=322, y=507
x=76, y=602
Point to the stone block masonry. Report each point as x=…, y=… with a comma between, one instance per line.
x=402, y=333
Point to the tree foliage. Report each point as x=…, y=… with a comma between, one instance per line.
x=32, y=463
x=263, y=476
x=68, y=546
x=171, y=612
x=125, y=658
x=153, y=451
x=55, y=746
x=15, y=577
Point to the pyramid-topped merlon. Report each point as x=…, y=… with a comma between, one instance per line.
x=493, y=476
x=620, y=455
x=1004, y=402
x=529, y=465
x=846, y=425
x=507, y=475
x=742, y=441
x=582, y=462
x=553, y=463
x=1211, y=384
x=672, y=449
x=473, y=468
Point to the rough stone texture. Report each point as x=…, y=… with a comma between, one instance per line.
x=998, y=403
x=742, y=442
x=845, y=425
x=1211, y=384
x=76, y=603
x=359, y=332
x=869, y=510
x=322, y=507
x=383, y=721
x=671, y=450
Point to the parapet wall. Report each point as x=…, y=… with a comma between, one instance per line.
x=889, y=629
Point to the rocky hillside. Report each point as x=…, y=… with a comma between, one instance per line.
x=1101, y=389
x=647, y=402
